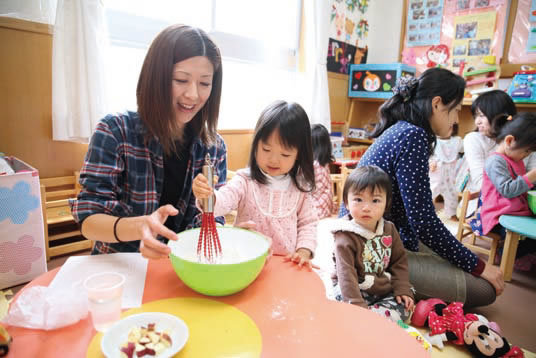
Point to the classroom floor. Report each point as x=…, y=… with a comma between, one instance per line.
x=513, y=311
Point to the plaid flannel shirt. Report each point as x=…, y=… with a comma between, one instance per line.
x=123, y=175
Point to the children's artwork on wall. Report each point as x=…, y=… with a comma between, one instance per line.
x=340, y=56
x=523, y=43
x=466, y=32
x=424, y=22
x=376, y=80
x=349, y=29
x=472, y=38
x=437, y=55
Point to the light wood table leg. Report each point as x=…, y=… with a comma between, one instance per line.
x=509, y=254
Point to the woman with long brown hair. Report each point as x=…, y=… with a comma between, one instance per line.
x=138, y=171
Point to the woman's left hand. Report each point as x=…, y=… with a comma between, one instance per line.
x=408, y=302
x=302, y=257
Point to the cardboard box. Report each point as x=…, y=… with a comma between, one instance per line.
x=22, y=238
x=376, y=80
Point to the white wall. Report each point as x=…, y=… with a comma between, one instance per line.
x=385, y=21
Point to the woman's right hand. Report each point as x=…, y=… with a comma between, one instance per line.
x=148, y=227
x=494, y=275
x=200, y=187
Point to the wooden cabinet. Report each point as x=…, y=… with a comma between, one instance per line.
x=364, y=111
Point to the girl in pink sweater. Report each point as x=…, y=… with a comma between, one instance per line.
x=274, y=192
x=506, y=181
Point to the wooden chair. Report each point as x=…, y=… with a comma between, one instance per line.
x=57, y=218
x=465, y=231
x=338, y=181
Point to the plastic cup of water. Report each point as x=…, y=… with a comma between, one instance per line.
x=104, y=293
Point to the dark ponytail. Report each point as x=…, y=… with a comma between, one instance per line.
x=412, y=101
x=522, y=127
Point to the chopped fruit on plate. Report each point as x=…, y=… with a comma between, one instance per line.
x=145, y=341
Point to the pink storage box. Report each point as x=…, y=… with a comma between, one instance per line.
x=22, y=239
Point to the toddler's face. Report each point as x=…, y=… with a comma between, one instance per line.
x=517, y=154
x=273, y=157
x=367, y=207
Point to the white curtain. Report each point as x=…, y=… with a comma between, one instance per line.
x=79, y=95
x=317, y=13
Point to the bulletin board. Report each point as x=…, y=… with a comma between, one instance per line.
x=470, y=30
x=523, y=45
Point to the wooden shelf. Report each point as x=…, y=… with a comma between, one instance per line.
x=469, y=101
x=360, y=141
x=369, y=99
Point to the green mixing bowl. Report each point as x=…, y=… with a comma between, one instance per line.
x=243, y=256
x=532, y=201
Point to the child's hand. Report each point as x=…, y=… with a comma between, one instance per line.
x=433, y=166
x=408, y=302
x=302, y=257
x=531, y=175
x=200, y=187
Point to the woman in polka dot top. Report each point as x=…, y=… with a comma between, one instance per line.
x=440, y=266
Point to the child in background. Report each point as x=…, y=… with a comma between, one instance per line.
x=506, y=181
x=323, y=194
x=372, y=267
x=274, y=192
x=480, y=144
x=443, y=170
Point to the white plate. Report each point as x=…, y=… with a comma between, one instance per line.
x=117, y=334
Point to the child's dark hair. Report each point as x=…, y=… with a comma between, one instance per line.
x=321, y=144
x=495, y=105
x=522, y=127
x=368, y=177
x=412, y=101
x=294, y=129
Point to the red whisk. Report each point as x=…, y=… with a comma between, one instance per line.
x=208, y=245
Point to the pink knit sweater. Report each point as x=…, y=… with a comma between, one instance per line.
x=279, y=209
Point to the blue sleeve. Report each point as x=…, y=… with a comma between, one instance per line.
x=412, y=174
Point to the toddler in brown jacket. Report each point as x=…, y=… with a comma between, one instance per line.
x=372, y=266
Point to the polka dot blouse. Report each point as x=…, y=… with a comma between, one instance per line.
x=402, y=152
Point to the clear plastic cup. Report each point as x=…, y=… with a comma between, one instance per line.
x=104, y=293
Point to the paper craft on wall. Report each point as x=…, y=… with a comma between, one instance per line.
x=424, y=22
x=472, y=38
x=349, y=29
x=419, y=56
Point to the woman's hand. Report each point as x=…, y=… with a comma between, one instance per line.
x=494, y=275
x=148, y=227
x=302, y=257
x=408, y=302
x=200, y=187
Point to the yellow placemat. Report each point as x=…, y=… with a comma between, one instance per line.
x=216, y=329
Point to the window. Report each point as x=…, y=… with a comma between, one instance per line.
x=259, y=49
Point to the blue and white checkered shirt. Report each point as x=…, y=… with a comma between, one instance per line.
x=123, y=175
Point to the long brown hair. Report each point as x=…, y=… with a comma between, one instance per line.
x=175, y=44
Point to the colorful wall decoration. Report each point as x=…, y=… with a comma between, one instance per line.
x=349, y=29
x=472, y=38
x=424, y=22
x=481, y=33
